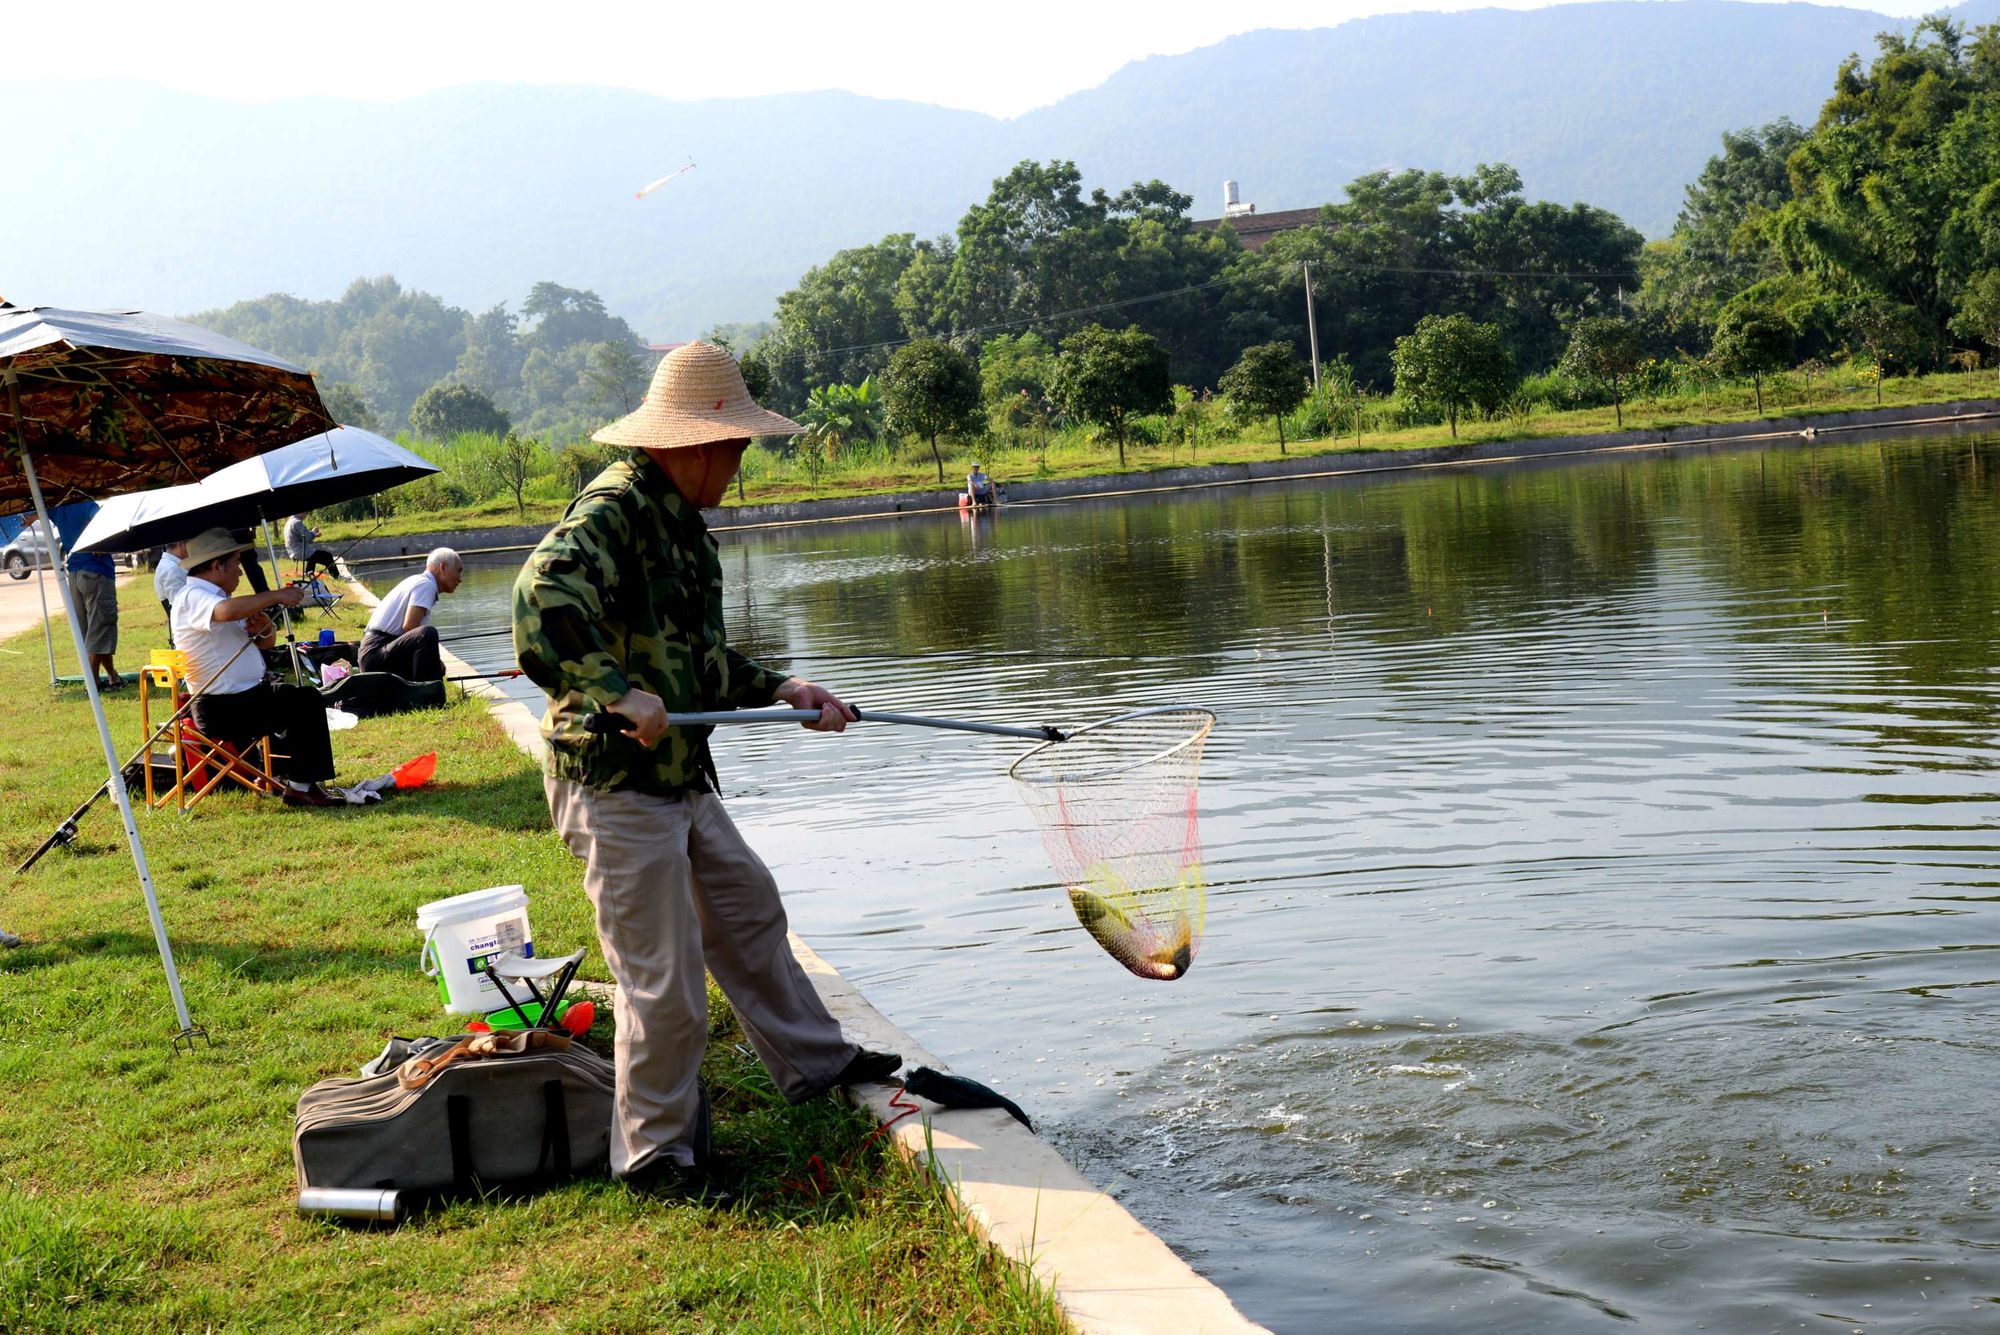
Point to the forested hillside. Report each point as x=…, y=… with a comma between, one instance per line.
x=561, y=368
x=476, y=193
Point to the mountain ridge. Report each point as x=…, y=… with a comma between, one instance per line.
x=475, y=192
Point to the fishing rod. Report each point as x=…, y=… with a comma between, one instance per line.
x=65, y=833
x=618, y=723
x=475, y=635
x=341, y=555
x=484, y=676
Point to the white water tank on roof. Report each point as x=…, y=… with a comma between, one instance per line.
x=1228, y=197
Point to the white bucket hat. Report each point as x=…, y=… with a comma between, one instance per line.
x=697, y=396
x=211, y=543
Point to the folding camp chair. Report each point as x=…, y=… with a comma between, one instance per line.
x=317, y=592
x=201, y=762
x=525, y=971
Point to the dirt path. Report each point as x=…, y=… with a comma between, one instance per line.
x=21, y=609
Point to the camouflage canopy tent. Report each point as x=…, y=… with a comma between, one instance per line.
x=93, y=403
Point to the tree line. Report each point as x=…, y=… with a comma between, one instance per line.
x=1873, y=234
x=1870, y=238
x=1040, y=259
x=389, y=357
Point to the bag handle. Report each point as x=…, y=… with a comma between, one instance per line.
x=420, y=1071
x=458, y=1121
x=555, y=1132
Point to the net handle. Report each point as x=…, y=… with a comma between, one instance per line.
x=611, y=722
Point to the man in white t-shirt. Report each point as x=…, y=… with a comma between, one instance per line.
x=224, y=638
x=400, y=637
x=168, y=577
x=979, y=488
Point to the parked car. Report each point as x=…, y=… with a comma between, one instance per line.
x=25, y=553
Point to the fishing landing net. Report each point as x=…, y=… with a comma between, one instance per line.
x=1116, y=807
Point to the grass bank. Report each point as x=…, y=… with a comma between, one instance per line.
x=1016, y=456
x=143, y=1191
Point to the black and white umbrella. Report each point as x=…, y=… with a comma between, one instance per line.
x=324, y=469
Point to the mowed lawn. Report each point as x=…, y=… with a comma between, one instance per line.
x=141, y=1190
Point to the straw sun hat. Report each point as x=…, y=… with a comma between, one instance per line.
x=697, y=396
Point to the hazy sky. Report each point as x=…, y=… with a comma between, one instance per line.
x=1002, y=58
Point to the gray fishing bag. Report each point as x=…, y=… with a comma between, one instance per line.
x=459, y=1116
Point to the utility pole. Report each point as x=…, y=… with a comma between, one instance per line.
x=1312, y=324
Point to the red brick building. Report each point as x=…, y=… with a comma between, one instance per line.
x=1253, y=229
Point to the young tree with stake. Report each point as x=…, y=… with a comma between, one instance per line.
x=512, y=463
x=1889, y=331
x=1751, y=340
x=1450, y=363
x=1110, y=378
x=1605, y=351
x=1267, y=381
x=932, y=390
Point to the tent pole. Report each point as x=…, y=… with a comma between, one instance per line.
x=48, y=639
x=188, y=1030
x=284, y=612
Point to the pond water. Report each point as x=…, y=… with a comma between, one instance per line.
x=1604, y=919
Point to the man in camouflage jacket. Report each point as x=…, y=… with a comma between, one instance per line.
x=619, y=610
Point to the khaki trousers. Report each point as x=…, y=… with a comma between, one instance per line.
x=676, y=889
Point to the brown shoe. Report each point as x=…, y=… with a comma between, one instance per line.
x=314, y=796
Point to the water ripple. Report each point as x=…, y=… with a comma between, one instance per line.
x=1604, y=870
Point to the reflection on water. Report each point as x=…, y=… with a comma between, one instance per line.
x=1602, y=917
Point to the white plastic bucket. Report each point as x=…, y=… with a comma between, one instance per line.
x=463, y=934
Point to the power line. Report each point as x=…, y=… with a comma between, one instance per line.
x=1025, y=319
x=1000, y=326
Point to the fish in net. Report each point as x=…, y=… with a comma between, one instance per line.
x=1116, y=804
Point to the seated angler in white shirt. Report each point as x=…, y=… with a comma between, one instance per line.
x=236, y=703
x=400, y=637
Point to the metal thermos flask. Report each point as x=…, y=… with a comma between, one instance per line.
x=351, y=1203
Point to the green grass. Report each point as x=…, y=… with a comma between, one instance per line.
x=145, y=1191
x=874, y=471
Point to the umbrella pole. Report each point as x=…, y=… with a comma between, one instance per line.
x=284, y=613
x=188, y=1030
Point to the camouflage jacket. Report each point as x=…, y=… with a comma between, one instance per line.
x=627, y=592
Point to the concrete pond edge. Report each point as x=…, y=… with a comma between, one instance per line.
x=474, y=542
x=1108, y=1272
